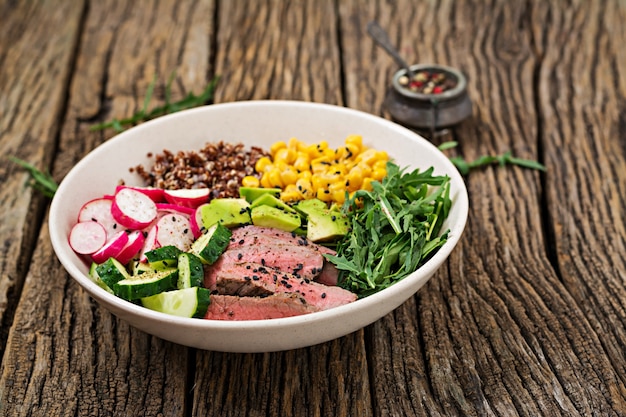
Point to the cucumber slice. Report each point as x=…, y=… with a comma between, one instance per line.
x=146, y=284
x=164, y=253
x=212, y=244
x=93, y=274
x=190, y=271
x=187, y=302
x=111, y=272
x=139, y=267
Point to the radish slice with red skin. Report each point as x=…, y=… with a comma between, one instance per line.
x=188, y=197
x=175, y=230
x=133, y=209
x=112, y=248
x=99, y=210
x=174, y=208
x=196, y=220
x=155, y=194
x=135, y=242
x=150, y=243
x=87, y=237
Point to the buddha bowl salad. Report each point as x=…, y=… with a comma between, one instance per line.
x=293, y=230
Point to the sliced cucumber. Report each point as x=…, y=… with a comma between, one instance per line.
x=146, y=284
x=111, y=272
x=164, y=253
x=186, y=302
x=93, y=274
x=139, y=267
x=190, y=271
x=212, y=244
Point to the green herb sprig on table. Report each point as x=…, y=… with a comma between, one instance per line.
x=39, y=180
x=506, y=158
x=191, y=100
x=395, y=228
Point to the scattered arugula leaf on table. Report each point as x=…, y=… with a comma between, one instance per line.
x=39, y=180
x=506, y=158
x=395, y=228
x=189, y=101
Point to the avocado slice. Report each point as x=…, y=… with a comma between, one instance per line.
x=323, y=224
x=270, y=200
x=230, y=212
x=252, y=193
x=268, y=216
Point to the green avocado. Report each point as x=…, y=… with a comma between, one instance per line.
x=252, y=193
x=323, y=224
x=270, y=200
x=230, y=212
x=268, y=216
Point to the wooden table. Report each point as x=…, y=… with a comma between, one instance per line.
x=528, y=316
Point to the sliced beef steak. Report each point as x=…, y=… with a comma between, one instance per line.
x=228, y=307
x=255, y=235
x=250, y=279
x=296, y=260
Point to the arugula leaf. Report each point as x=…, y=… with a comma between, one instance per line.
x=506, y=158
x=39, y=180
x=395, y=229
x=191, y=100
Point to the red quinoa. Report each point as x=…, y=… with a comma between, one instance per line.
x=218, y=166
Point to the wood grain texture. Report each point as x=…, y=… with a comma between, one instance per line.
x=527, y=317
x=583, y=138
x=33, y=82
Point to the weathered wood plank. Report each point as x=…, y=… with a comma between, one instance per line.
x=501, y=335
x=33, y=83
x=582, y=85
x=66, y=355
x=282, y=50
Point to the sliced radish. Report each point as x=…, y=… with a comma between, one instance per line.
x=155, y=194
x=99, y=210
x=174, y=229
x=87, y=237
x=150, y=243
x=196, y=221
x=112, y=248
x=133, y=209
x=174, y=208
x=188, y=197
x=136, y=239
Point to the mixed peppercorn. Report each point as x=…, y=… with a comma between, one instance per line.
x=428, y=82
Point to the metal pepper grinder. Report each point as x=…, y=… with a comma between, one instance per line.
x=416, y=105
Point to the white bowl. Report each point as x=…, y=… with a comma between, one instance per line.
x=253, y=123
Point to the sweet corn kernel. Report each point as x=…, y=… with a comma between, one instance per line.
x=288, y=176
x=274, y=178
x=379, y=174
x=263, y=163
x=250, y=181
x=276, y=146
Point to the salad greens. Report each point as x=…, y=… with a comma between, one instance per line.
x=395, y=228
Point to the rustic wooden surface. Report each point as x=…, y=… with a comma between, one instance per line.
x=527, y=318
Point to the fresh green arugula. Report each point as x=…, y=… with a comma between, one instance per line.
x=395, y=229
x=39, y=180
x=189, y=101
x=506, y=158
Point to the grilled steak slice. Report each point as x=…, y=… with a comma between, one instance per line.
x=296, y=260
x=255, y=235
x=228, y=307
x=249, y=279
